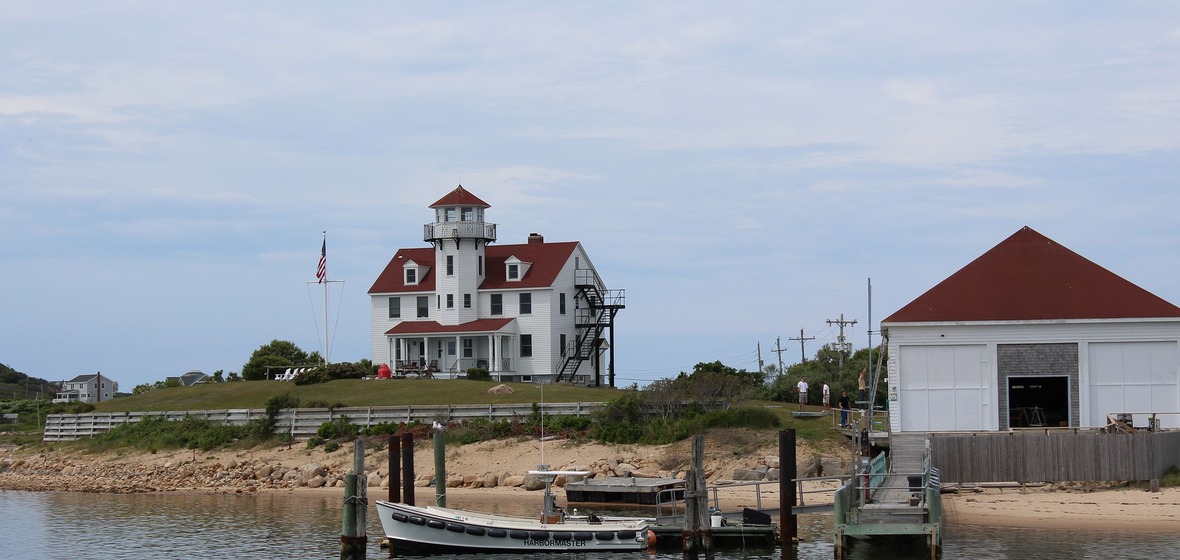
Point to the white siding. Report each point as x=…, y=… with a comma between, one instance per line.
x=945, y=388
x=1131, y=365
x=1133, y=377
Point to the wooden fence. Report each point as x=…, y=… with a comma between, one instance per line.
x=303, y=422
x=1054, y=455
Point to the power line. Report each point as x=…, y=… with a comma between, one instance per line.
x=842, y=346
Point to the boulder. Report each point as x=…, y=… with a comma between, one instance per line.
x=533, y=482
x=490, y=480
x=374, y=479
x=315, y=481
x=513, y=481
x=746, y=474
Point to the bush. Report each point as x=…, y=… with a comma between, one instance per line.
x=314, y=441
x=331, y=446
x=337, y=429
x=478, y=374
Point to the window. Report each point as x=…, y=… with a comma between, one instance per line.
x=480, y=271
x=411, y=276
x=562, y=343
x=526, y=346
x=526, y=303
x=450, y=214
x=497, y=304
x=438, y=301
x=468, y=214
x=514, y=272
x=450, y=301
x=467, y=301
x=450, y=347
x=395, y=307
x=450, y=265
x=468, y=348
x=423, y=306
x=561, y=303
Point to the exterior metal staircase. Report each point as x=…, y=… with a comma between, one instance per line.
x=599, y=314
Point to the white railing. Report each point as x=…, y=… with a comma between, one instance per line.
x=304, y=422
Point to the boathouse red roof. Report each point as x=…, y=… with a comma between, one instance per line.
x=1029, y=277
x=433, y=327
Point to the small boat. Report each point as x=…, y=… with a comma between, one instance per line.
x=438, y=529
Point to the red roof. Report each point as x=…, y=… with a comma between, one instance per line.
x=433, y=327
x=1029, y=277
x=460, y=197
x=547, y=260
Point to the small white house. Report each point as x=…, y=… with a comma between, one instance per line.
x=88, y=388
x=534, y=312
x=1031, y=334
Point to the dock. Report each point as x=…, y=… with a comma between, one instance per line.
x=898, y=497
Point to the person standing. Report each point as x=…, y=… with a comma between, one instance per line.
x=802, y=392
x=827, y=398
x=844, y=406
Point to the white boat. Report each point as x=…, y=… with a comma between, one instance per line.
x=438, y=529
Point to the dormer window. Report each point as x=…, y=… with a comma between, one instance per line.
x=515, y=269
x=413, y=273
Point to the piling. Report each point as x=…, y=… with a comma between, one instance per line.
x=408, y=468
x=440, y=468
x=697, y=534
x=395, y=470
x=788, y=471
x=352, y=546
x=353, y=537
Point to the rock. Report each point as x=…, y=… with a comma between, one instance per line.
x=315, y=482
x=309, y=471
x=771, y=474
x=746, y=474
x=501, y=389
x=68, y=470
x=809, y=467
x=454, y=481
x=374, y=479
x=513, y=481
x=490, y=480
x=264, y=471
x=533, y=482
x=771, y=461
x=624, y=469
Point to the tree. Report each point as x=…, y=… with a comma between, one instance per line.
x=718, y=383
x=276, y=354
x=825, y=367
x=217, y=376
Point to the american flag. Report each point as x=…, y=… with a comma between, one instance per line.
x=322, y=271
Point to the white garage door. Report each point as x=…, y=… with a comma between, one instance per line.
x=943, y=388
x=1133, y=377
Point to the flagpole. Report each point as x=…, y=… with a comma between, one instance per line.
x=324, y=281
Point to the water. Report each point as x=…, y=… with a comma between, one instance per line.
x=81, y=526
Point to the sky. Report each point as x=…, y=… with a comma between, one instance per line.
x=743, y=170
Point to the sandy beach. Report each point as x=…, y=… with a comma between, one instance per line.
x=484, y=475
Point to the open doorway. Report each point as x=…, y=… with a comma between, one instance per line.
x=1040, y=401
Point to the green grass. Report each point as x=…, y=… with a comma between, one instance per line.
x=350, y=392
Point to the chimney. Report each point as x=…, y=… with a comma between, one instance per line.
x=536, y=238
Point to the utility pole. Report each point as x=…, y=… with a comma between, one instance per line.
x=841, y=345
x=802, y=352
x=778, y=349
x=761, y=367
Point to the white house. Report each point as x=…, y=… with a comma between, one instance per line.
x=532, y=312
x=1032, y=334
x=89, y=388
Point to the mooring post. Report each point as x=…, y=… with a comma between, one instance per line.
x=788, y=471
x=395, y=470
x=408, y=468
x=361, y=503
x=352, y=547
x=440, y=467
x=695, y=504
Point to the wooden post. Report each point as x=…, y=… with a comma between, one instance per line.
x=788, y=471
x=408, y=468
x=361, y=503
x=395, y=470
x=352, y=547
x=440, y=469
x=696, y=515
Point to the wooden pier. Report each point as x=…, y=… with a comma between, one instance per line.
x=899, y=498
